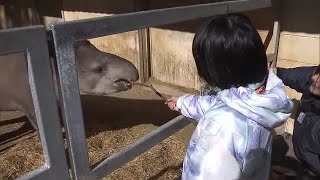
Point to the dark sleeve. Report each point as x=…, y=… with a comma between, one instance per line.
x=309, y=145
x=298, y=78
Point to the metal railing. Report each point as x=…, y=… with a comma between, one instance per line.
x=66, y=33
x=33, y=41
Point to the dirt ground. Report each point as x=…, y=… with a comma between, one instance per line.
x=111, y=123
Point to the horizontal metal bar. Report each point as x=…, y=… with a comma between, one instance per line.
x=102, y=26
x=38, y=174
x=131, y=151
x=18, y=39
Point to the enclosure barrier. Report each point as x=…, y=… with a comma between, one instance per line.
x=33, y=41
x=66, y=33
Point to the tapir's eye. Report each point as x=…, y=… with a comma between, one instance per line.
x=99, y=70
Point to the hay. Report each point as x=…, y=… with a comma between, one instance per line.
x=126, y=121
x=160, y=162
x=20, y=159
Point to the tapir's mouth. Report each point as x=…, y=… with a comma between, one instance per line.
x=123, y=84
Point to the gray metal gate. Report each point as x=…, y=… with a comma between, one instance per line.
x=64, y=35
x=33, y=41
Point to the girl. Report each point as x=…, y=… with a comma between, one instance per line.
x=232, y=139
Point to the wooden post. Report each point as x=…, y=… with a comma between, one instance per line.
x=144, y=45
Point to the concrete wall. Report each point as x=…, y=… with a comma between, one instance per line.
x=171, y=58
x=171, y=55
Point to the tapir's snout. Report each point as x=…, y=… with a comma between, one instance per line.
x=126, y=74
x=125, y=83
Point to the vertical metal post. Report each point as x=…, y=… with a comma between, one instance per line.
x=72, y=110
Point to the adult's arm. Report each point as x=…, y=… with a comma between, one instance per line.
x=298, y=78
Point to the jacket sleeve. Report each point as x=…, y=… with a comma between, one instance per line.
x=194, y=106
x=298, y=78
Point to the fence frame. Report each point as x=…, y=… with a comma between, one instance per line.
x=66, y=33
x=33, y=41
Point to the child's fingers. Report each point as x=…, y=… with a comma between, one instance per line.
x=172, y=99
x=171, y=105
x=168, y=102
x=175, y=108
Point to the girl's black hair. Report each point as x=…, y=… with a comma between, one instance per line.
x=229, y=52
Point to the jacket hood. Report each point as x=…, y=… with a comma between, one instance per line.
x=269, y=109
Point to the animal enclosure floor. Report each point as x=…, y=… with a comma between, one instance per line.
x=111, y=123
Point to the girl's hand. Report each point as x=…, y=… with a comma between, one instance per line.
x=172, y=103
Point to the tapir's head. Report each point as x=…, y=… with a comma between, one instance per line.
x=102, y=73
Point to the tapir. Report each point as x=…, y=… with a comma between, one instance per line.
x=99, y=73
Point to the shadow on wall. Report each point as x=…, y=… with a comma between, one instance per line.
x=12, y=16
x=295, y=15
x=103, y=113
x=118, y=7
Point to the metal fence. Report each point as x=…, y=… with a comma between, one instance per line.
x=64, y=35
x=33, y=41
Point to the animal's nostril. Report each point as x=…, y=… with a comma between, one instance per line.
x=122, y=80
x=128, y=85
